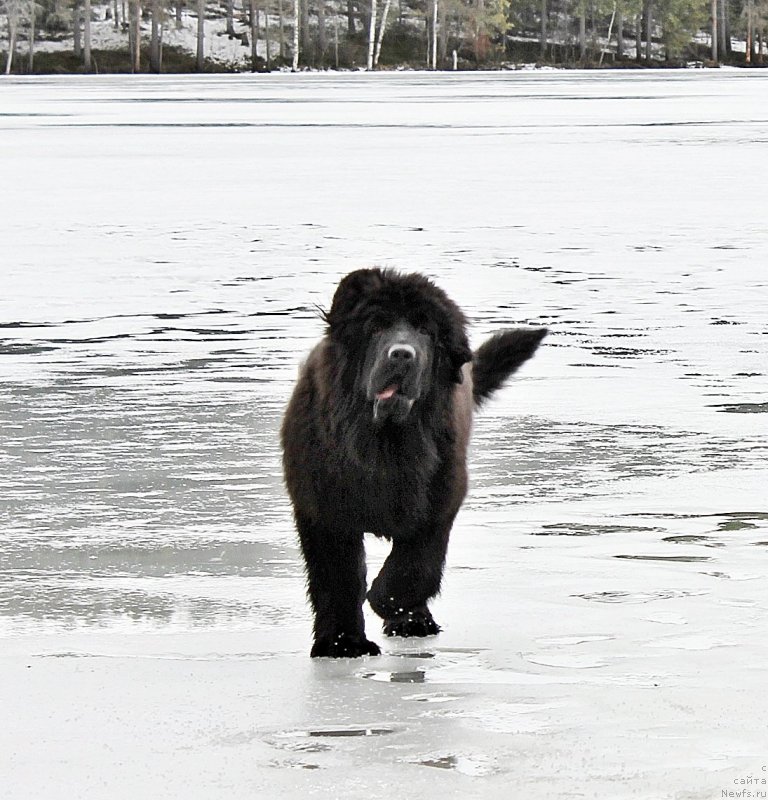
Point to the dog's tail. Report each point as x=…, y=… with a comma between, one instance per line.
x=495, y=360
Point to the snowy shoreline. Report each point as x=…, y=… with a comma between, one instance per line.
x=230, y=51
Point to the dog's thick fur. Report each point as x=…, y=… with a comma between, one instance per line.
x=375, y=439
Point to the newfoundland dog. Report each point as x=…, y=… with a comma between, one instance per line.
x=375, y=439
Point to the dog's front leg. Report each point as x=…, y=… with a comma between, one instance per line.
x=335, y=565
x=411, y=575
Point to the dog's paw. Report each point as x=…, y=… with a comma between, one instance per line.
x=344, y=645
x=411, y=623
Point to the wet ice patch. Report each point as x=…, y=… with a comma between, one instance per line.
x=303, y=746
x=586, y=529
x=304, y=740
x=705, y=541
x=438, y=697
x=474, y=766
x=465, y=675
x=293, y=765
x=409, y=654
x=412, y=676
x=568, y=641
x=532, y=716
x=667, y=618
x=681, y=559
x=743, y=408
x=736, y=525
x=336, y=733
x=692, y=642
x=614, y=596
x=566, y=660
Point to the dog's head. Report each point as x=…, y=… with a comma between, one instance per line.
x=401, y=337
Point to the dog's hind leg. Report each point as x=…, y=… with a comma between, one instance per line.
x=335, y=564
x=411, y=575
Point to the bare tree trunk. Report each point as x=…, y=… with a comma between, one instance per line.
x=750, y=35
x=179, y=20
x=117, y=15
x=77, y=38
x=722, y=32
x=363, y=13
x=31, y=62
x=152, y=36
x=608, y=39
x=565, y=36
x=583, y=31
x=382, y=28
x=87, y=35
x=442, y=39
x=350, y=18
x=296, y=14
x=254, y=34
x=131, y=44
x=322, y=43
x=620, y=33
x=135, y=11
x=11, y=44
x=154, y=41
x=638, y=38
x=427, y=33
x=543, y=33
x=281, y=23
x=480, y=35
x=336, y=40
x=648, y=30
x=200, y=61
x=230, y=16
x=305, y=43
x=267, y=42
x=434, y=34
x=371, y=35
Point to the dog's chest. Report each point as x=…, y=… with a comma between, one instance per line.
x=389, y=492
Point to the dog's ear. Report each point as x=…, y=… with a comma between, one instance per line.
x=459, y=353
x=351, y=290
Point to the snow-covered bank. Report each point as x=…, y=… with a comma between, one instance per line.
x=227, y=47
x=604, y=606
x=218, y=46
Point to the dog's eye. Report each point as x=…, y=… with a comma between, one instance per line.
x=424, y=330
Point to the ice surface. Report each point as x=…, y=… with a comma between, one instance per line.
x=164, y=242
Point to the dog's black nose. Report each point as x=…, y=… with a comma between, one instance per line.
x=401, y=353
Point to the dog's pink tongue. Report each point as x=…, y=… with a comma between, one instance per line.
x=385, y=394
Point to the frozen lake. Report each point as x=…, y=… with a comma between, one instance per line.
x=164, y=243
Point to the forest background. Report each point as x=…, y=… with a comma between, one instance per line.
x=50, y=36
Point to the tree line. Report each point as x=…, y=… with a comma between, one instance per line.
x=436, y=34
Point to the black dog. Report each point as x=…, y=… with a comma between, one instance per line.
x=375, y=439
